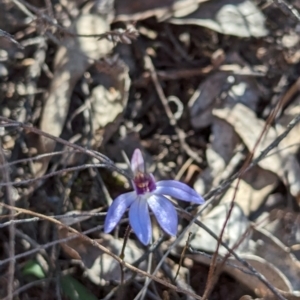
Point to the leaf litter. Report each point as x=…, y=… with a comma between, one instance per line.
x=223, y=68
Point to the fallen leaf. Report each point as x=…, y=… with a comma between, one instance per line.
x=281, y=161
x=78, y=248
x=270, y=248
x=106, y=269
x=232, y=17
x=224, y=141
x=108, y=101
x=253, y=189
x=238, y=88
x=283, y=224
x=293, y=139
x=134, y=10
x=203, y=100
x=99, y=267
x=70, y=63
x=236, y=227
x=271, y=273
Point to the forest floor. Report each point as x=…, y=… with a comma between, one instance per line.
x=207, y=90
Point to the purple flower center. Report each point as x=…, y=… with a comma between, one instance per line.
x=144, y=183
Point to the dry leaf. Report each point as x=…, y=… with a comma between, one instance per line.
x=78, y=248
x=100, y=267
x=253, y=189
x=203, y=100
x=214, y=220
x=293, y=139
x=238, y=88
x=283, y=224
x=270, y=248
x=106, y=269
x=224, y=141
x=272, y=274
x=108, y=101
x=233, y=17
x=280, y=160
x=134, y=10
x=71, y=61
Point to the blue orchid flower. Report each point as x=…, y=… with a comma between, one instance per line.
x=148, y=193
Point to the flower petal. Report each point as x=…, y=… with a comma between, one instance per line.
x=178, y=190
x=165, y=213
x=140, y=222
x=137, y=162
x=117, y=209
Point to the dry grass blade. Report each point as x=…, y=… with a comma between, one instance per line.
x=9, y=37
x=247, y=163
x=105, y=250
x=12, y=230
x=172, y=119
x=102, y=158
x=82, y=82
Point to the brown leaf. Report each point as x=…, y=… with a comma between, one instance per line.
x=105, y=268
x=234, y=17
x=253, y=189
x=280, y=160
x=203, y=100
x=108, y=101
x=272, y=274
x=130, y=10
x=238, y=88
x=224, y=141
x=71, y=61
x=78, y=248
x=237, y=226
x=270, y=248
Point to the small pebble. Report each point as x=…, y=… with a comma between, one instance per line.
x=19, y=55
x=3, y=70
x=6, y=112
x=20, y=172
x=290, y=40
x=6, y=138
x=3, y=55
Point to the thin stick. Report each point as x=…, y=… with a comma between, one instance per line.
x=102, y=248
x=101, y=157
x=182, y=255
x=172, y=119
x=247, y=163
x=60, y=172
x=30, y=159
x=122, y=254
x=12, y=229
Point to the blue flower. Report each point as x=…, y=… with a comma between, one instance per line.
x=148, y=193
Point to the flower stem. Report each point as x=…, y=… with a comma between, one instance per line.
x=122, y=254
